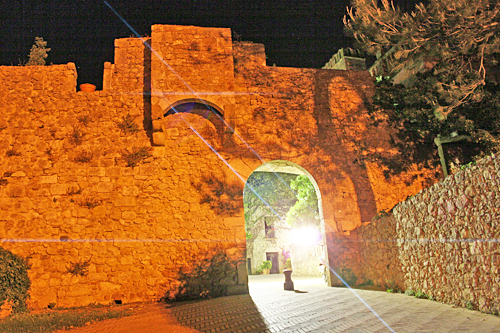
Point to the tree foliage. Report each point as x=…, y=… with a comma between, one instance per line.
x=288, y=195
x=450, y=50
x=266, y=188
x=38, y=53
x=305, y=210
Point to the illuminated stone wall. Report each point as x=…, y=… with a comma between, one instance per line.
x=449, y=235
x=368, y=256
x=70, y=198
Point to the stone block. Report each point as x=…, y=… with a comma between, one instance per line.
x=238, y=289
x=97, y=276
x=48, y=179
x=108, y=287
x=105, y=187
x=129, y=215
x=127, y=260
x=16, y=191
x=99, y=211
x=79, y=290
x=242, y=273
x=58, y=189
x=125, y=202
x=130, y=191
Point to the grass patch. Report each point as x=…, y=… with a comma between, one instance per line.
x=53, y=321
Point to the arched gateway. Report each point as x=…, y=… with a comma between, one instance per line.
x=146, y=201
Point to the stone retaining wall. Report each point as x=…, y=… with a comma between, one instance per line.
x=448, y=237
x=369, y=255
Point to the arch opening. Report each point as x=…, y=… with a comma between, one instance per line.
x=284, y=220
x=199, y=107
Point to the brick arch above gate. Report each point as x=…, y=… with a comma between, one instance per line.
x=196, y=106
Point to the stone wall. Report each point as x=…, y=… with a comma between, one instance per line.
x=369, y=255
x=347, y=59
x=448, y=237
x=103, y=220
x=69, y=196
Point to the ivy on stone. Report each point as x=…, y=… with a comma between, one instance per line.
x=14, y=280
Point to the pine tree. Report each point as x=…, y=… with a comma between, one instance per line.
x=449, y=52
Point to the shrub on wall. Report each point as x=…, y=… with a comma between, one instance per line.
x=14, y=280
x=38, y=53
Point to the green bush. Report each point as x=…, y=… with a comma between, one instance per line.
x=14, y=280
x=266, y=264
x=410, y=292
x=421, y=294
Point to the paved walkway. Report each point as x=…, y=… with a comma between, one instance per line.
x=313, y=307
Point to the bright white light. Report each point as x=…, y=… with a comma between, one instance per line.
x=305, y=236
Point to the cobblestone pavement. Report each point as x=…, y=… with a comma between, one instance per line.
x=312, y=307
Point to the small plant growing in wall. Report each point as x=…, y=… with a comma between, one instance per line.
x=12, y=152
x=80, y=268
x=84, y=119
x=410, y=292
x=4, y=181
x=136, y=155
x=76, y=136
x=90, y=202
x=381, y=214
x=38, y=53
x=73, y=191
x=469, y=305
x=421, y=294
x=83, y=157
x=128, y=125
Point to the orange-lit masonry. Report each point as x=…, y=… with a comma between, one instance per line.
x=68, y=198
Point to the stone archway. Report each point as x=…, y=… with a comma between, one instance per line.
x=261, y=243
x=181, y=110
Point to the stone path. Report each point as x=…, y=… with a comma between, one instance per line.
x=313, y=307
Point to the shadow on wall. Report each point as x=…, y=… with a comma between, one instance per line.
x=147, y=122
x=329, y=134
x=226, y=199
x=207, y=278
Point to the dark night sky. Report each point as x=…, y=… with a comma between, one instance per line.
x=296, y=33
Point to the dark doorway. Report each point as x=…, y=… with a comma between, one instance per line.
x=273, y=257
